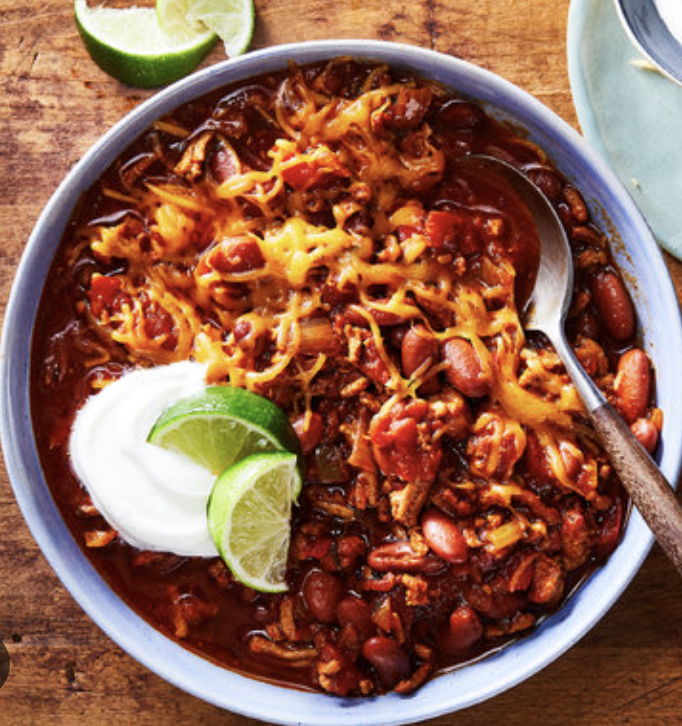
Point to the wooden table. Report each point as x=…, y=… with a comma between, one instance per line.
x=55, y=104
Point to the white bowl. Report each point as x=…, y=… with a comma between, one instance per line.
x=651, y=288
x=655, y=28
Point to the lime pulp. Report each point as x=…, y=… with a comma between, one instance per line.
x=222, y=425
x=249, y=514
x=129, y=45
x=231, y=20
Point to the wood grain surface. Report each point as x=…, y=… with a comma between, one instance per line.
x=55, y=104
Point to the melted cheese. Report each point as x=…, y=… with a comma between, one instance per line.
x=336, y=139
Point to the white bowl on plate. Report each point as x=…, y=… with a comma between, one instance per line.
x=640, y=261
x=655, y=27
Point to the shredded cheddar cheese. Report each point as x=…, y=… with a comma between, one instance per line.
x=254, y=252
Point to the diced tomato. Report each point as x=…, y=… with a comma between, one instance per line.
x=317, y=169
x=310, y=547
x=399, y=445
x=519, y=571
x=298, y=175
x=158, y=322
x=405, y=231
x=336, y=671
x=104, y=294
x=372, y=364
x=497, y=604
x=439, y=227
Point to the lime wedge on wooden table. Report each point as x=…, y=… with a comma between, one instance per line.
x=222, y=425
x=231, y=20
x=249, y=517
x=129, y=45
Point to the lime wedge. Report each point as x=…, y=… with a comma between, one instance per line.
x=249, y=516
x=129, y=45
x=231, y=20
x=222, y=425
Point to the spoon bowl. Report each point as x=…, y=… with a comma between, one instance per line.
x=548, y=305
x=546, y=312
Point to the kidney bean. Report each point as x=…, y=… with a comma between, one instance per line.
x=548, y=182
x=224, y=164
x=564, y=212
x=610, y=528
x=576, y=203
x=571, y=462
x=646, y=433
x=417, y=347
x=443, y=536
x=460, y=115
x=535, y=460
x=232, y=255
x=382, y=317
x=464, y=630
x=321, y=593
x=390, y=661
x=586, y=235
x=632, y=384
x=356, y=612
x=396, y=335
x=464, y=370
x=614, y=305
x=400, y=556
x=309, y=435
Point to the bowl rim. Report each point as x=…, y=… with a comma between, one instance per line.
x=227, y=689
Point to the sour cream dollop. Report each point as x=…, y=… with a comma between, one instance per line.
x=155, y=499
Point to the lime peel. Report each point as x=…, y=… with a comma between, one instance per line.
x=250, y=442
x=130, y=46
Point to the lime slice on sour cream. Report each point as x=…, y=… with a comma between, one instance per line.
x=148, y=446
x=222, y=425
x=249, y=515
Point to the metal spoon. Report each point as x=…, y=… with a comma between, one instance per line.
x=546, y=311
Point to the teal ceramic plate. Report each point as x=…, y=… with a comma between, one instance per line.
x=631, y=115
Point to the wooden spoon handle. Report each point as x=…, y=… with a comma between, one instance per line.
x=647, y=487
